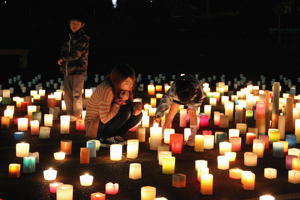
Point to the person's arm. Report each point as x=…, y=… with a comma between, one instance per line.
x=76, y=52
x=171, y=114
x=165, y=102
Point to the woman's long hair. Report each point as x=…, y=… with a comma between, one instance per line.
x=118, y=74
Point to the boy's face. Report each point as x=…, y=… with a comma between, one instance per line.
x=76, y=25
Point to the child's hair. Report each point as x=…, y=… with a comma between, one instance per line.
x=77, y=18
x=118, y=74
x=185, y=89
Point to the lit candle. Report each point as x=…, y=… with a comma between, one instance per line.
x=212, y=101
x=223, y=162
x=31, y=109
x=135, y=171
x=296, y=163
x=265, y=138
x=235, y=173
x=275, y=103
x=167, y=133
x=168, y=165
x=208, y=141
x=151, y=89
x=224, y=121
x=182, y=118
x=152, y=112
x=250, y=159
x=206, y=185
x=187, y=132
x=22, y=149
x=207, y=110
x=155, y=137
x=48, y=120
x=59, y=155
x=242, y=127
x=233, y=133
x=248, y=180
x=64, y=124
x=281, y=126
x=258, y=147
x=291, y=139
x=22, y=124
x=266, y=197
x=111, y=188
x=98, y=144
x=297, y=130
x=51, y=101
x=5, y=122
x=236, y=143
x=239, y=113
x=250, y=137
x=294, y=151
x=142, y=134
x=200, y=164
x=116, y=152
x=274, y=135
x=84, y=155
x=231, y=156
x=29, y=164
x=176, y=143
x=278, y=149
x=91, y=144
x=86, y=180
x=153, y=102
x=88, y=93
x=270, y=173
x=145, y=121
x=44, y=132
x=261, y=116
x=199, y=143
x=80, y=125
x=64, y=192
x=50, y=174
x=229, y=110
x=18, y=135
x=204, y=121
x=294, y=176
x=179, y=180
x=224, y=147
x=148, y=193
x=162, y=147
x=9, y=113
x=132, y=148
x=66, y=146
x=162, y=155
x=53, y=186
x=289, y=122
x=201, y=171
x=289, y=161
x=14, y=170
x=217, y=118
x=34, y=127
x=98, y=196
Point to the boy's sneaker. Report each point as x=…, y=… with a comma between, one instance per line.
x=119, y=138
x=108, y=141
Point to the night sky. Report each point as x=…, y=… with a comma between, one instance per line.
x=160, y=36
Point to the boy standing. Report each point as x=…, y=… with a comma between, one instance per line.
x=73, y=62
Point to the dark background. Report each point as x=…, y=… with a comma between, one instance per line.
x=159, y=36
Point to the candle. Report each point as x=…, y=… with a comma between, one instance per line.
x=223, y=162
x=14, y=170
x=242, y=127
x=235, y=173
x=220, y=137
x=168, y=165
x=5, y=122
x=48, y=120
x=142, y=134
x=281, y=126
x=162, y=147
x=236, y=143
x=153, y=102
x=167, y=87
x=51, y=101
x=148, y=193
x=260, y=116
x=80, y=125
x=151, y=90
x=145, y=121
x=265, y=138
x=239, y=113
x=18, y=135
x=224, y=121
x=53, y=186
x=98, y=143
x=266, y=197
x=98, y=196
x=29, y=164
x=250, y=159
x=116, y=152
x=204, y=121
x=231, y=156
x=135, y=171
x=64, y=192
x=289, y=123
x=297, y=130
x=59, y=155
x=22, y=149
x=44, y=132
x=64, y=124
x=50, y=174
x=34, y=127
x=201, y=171
x=296, y=163
x=294, y=176
x=229, y=110
x=248, y=180
x=152, y=112
x=258, y=147
x=289, y=161
x=270, y=173
x=278, y=149
x=291, y=139
x=207, y=110
x=208, y=141
x=274, y=135
x=250, y=137
x=36, y=156
x=224, y=147
x=176, y=143
x=9, y=113
x=179, y=180
x=22, y=124
x=182, y=118
x=66, y=146
x=86, y=180
x=200, y=164
x=217, y=118
x=88, y=93
x=37, y=116
x=167, y=133
x=111, y=188
x=233, y=133
x=294, y=151
x=187, y=132
x=199, y=143
x=212, y=101
x=162, y=155
x=275, y=103
x=155, y=137
x=84, y=155
x=31, y=109
x=206, y=185
x=91, y=144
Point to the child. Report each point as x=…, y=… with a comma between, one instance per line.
x=186, y=90
x=73, y=62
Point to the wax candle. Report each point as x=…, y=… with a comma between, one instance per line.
x=167, y=133
x=142, y=134
x=217, y=118
x=229, y=110
x=294, y=176
x=231, y=156
x=294, y=151
x=239, y=113
x=148, y=193
x=152, y=112
x=53, y=186
x=258, y=147
x=270, y=173
x=155, y=137
x=212, y=101
x=9, y=113
x=86, y=180
x=289, y=161
x=199, y=143
x=265, y=138
x=224, y=147
x=176, y=143
x=34, y=127
x=145, y=121
x=22, y=149
x=201, y=171
x=80, y=125
x=98, y=196
x=260, y=116
x=36, y=155
x=274, y=135
x=182, y=118
x=250, y=137
x=153, y=102
x=162, y=155
x=200, y=163
x=179, y=180
x=266, y=197
x=236, y=143
x=220, y=137
x=59, y=155
x=50, y=174
x=168, y=165
x=291, y=139
x=48, y=120
x=66, y=146
x=297, y=130
x=151, y=90
x=18, y=135
x=207, y=110
x=44, y=132
x=204, y=121
x=250, y=159
x=5, y=122
x=278, y=149
x=14, y=170
x=31, y=109
x=289, y=125
x=296, y=163
x=29, y=164
x=224, y=121
x=235, y=173
x=281, y=126
x=248, y=180
x=135, y=171
x=98, y=144
x=116, y=152
x=208, y=141
x=84, y=155
x=206, y=185
x=187, y=132
x=162, y=147
x=22, y=124
x=223, y=162
x=233, y=132
x=111, y=188
x=64, y=192
x=65, y=124
x=132, y=148
x=92, y=147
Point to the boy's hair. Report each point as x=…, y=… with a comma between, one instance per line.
x=77, y=18
x=185, y=89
